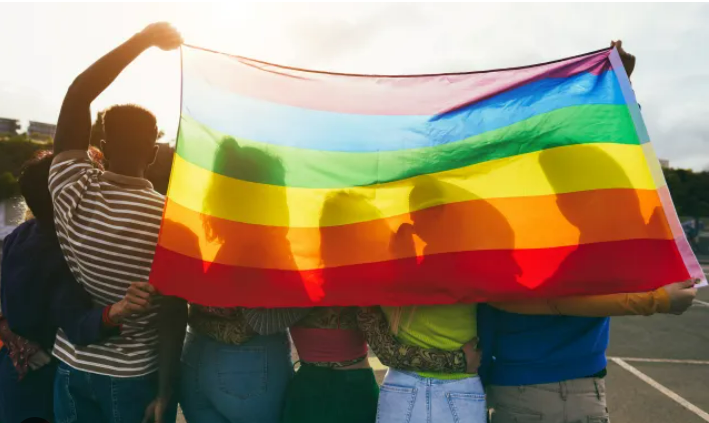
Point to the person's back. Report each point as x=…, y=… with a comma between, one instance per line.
x=552, y=367
x=432, y=396
x=531, y=350
x=108, y=227
x=21, y=249
x=24, y=392
x=36, y=300
x=108, y=224
x=542, y=349
x=332, y=348
x=444, y=327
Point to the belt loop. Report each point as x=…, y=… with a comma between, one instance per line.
x=563, y=390
x=598, y=391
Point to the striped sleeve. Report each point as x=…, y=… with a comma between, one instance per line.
x=267, y=321
x=68, y=180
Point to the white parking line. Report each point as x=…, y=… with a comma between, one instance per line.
x=377, y=365
x=661, y=360
x=650, y=381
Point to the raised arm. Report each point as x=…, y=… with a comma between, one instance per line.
x=674, y=298
x=373, y=323
x=627, y=58
x=74, y=125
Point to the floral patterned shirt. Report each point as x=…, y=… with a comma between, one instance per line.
x=238, y=325
x=20, y=349
x=373, y=323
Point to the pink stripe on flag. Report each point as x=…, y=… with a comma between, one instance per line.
x=685, y=250
x=694, y=269
x=371, y=95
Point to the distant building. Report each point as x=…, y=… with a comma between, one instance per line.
x=9, y=126
x=41, y=131
x=664, y=163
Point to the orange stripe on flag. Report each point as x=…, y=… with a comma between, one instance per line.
x=495, y=224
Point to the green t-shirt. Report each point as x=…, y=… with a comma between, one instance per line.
x=445, y=327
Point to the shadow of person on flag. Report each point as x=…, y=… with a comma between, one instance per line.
x=260, y=255
x=355, y=257
x=236, y=361
x=459, y=251
x=335, y=382
x=466, y=248
x=623, y=236
x=175, y=233
x=548, y=357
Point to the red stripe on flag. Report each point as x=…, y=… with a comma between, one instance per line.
x=475, y=276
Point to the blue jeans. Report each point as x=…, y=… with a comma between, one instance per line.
x=30, y=398
x=235, y=383
x=82, y=397
x=409, y=398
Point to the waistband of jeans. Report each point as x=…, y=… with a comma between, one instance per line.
x=314, y=368
x=253, y=341
x=432, y=380
x=587, y=385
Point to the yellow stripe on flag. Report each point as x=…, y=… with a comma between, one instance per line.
x=558, y=170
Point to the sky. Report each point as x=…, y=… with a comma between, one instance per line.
x=44, y=47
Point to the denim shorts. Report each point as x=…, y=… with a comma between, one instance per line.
x=409, y=398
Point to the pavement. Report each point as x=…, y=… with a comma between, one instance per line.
x=658, y=369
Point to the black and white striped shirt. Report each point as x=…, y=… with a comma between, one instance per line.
x=108, y=227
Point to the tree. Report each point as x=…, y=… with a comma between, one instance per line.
x=690, y=192
x=8, y=186
x=14, y=152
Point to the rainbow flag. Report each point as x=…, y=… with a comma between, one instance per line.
x=295, y=188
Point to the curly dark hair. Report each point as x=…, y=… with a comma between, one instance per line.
x=135, y=128
x=34, y=183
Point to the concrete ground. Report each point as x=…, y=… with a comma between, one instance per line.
x=659, y=366
x=660, y=371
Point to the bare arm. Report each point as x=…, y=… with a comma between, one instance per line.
x=74, y=125
x=674, y=298
x=593, y=305
x=373, y=323
x=172, y=325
